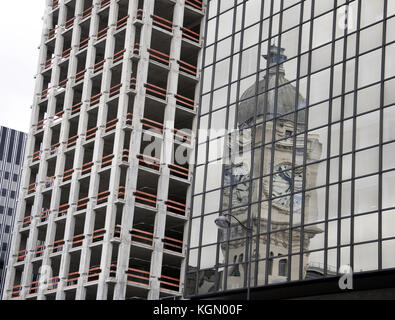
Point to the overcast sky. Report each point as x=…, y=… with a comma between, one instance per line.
x=20, y=32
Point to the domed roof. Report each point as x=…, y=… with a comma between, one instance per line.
x=286, y=99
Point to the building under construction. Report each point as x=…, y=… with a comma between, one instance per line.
x=102, y=209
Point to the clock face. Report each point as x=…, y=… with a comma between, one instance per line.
x=282, y=187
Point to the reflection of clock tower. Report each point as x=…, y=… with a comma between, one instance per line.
x=284, y=181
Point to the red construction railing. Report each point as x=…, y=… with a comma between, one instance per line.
x=125, y=155
x=162, y=22
x=142, y=236
x=49, y=62
x=37, y=155
x=70, y=23
x=87, y=167
x=16, y=291
x=58, y=246
x=34, y=287
x=90, y=133
x=72, y=279
x=122, y=22
x=145, y=198
x=45, y=93
x=84, y=43
x=182, y=136
x=148, y=161
x=54, y=148
x=117, y=231
x=38, y=251
x=185, y=102
x=169, y=283
x=26, y=221
x=138, y=276
x=44, y=215
x=102, y=196
x=133, y=83
x=67, y=174
x=136, y=48
x=175, y=207
x=114, y=90
x=110, y=125
x=191, y=35
x=58, y=115
x=55, y=4
x=62, y=210
x=179, y=171
x=80, y=75
x=104, y=3
x=121, y=192
x=77, y=240
x=52, y=32
x=159, y=56
x=102, y=33
x=195, y=3
x=151, y=124
x=53, y=283
x=188, y=68
x=93, y=274
x=66, y=53
x=48, y=182
x=21, y=255
x=82, y=203
x=41, y=124
x=95, y=99
x=156, y=91
x=129, y=119
x=118, y=56
x=140, y=14
x=87, y=12
x=107, y=160
x=76, y=108
x=113, y=270
x=72, y=141
x=98, y=235
x=32, y=187
x=98, y=66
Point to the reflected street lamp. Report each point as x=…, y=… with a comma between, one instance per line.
x=223, y=222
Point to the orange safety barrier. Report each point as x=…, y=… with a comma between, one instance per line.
x=54, y=148
x=53, y=283
x=87, y=12
x=175, y=207
x=140, y=14
x=84, y=43
x=98, y=235
x=80, y=75
x=159, y=56
x=44, y=215
x=122, y=22
x=34, y=287
x=27, y=221
x=188, y=68
x=189, y=34
x=16, y=291
x=45, y=93
x=49, y=181
x=102, y=33
x=37, y=155
x=117, y=231
x=70, y=23
x=77, y=240
x=82, y=203
x=66, y=53
x=41, y=124
x=195, y=3
x=55, y=4
x=76, y=108
x=21, y=255
x=182, y=135
x=72, y=141
x=156, y=91
x=52, y=32
x=86, y=167
x=118, y=55
x=184, y=101
x=162, y=22
x=67, y=174
x=165, y=284
x=90, y=133
x=125, y=155
x=94, y=273
x=104, y=3
x=62, y=210
x=151, y=124
x=102, y=196
x=106, y=160
x=138, y=276
x=58, y=115
x=115, y=89
x=132, y=83
x=179, y=171
x=98, y=66
x=113, y=270
x=58, y=246
x=148, y=161
x=142, y=236
x=95, y=99
x=145, y=198
x=129, y=119
x=48, y=63
x=32, y=187
x=136, y=49
x=39, y=250
x=72, y=279
x=121, y=192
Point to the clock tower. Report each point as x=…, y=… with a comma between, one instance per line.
x=286, y=148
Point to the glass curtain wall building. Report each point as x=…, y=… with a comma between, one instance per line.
x=296, y=140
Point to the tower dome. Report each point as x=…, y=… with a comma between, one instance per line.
x=286, y=95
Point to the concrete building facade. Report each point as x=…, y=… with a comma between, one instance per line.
x=103, y=209
x=12, y=147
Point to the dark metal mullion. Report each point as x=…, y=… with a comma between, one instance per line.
x=273, y=144
x=291, y=208
x=227, y=122
x=381, y=137
x=329, y=137
x=354, y=133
